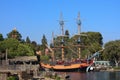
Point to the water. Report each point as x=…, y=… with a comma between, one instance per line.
x=104, y=75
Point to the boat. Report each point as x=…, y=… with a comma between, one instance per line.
x=75, y=66
x=62, y=65
x=67, y=68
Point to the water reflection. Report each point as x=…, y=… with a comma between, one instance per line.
x=94, y=76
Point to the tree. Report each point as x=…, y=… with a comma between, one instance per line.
x=11, y=45
x=24, y=50
x=14, y=34
x=28, y=40
x=90, y=43
x=44, y=43
x=15, y=48
x=34, y=45
x=44, y=40
x=66, y=42
x=1, y=37
x=112, y=51
x=93, y=40
x=67, y=33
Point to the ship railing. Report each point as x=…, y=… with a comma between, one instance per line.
x=67, y=63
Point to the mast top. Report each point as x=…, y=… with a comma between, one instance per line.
x=79, y=23
x=78, y=19
x=61, y=22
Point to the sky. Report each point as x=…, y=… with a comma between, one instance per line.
x=34, y=18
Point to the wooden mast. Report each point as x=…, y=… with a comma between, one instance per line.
x=61, y=22
x=53, y=57
x=79, y=33
x=62, y=53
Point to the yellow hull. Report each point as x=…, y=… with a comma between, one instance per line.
x=65, y=67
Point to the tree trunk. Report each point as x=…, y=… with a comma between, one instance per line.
x=116, y=63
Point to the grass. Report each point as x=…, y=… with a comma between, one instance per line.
x=116, y=68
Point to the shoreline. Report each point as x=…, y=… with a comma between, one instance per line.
x=111, y=70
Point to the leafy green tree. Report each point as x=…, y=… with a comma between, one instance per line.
x=58, y=41
x=28, y=40
x=112, y=51
x=15, y=48
x=12, y=78
x=66, y=42
x=34, y=45
x=24, y=50
x=38, y=47
x=93, y=40
x=90, y=43
x=44, y=58
x=44, y=43
x=1, y=37
x=95, y=37
x=67, y=33
x=44, y=40
x=14, y=34
x=11, y=45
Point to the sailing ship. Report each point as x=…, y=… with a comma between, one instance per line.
x=77, y=64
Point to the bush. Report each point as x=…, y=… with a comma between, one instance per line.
x=117, y=68
x=57, y=78
x=11, y=78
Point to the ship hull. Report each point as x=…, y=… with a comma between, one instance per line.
x=81, y=67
